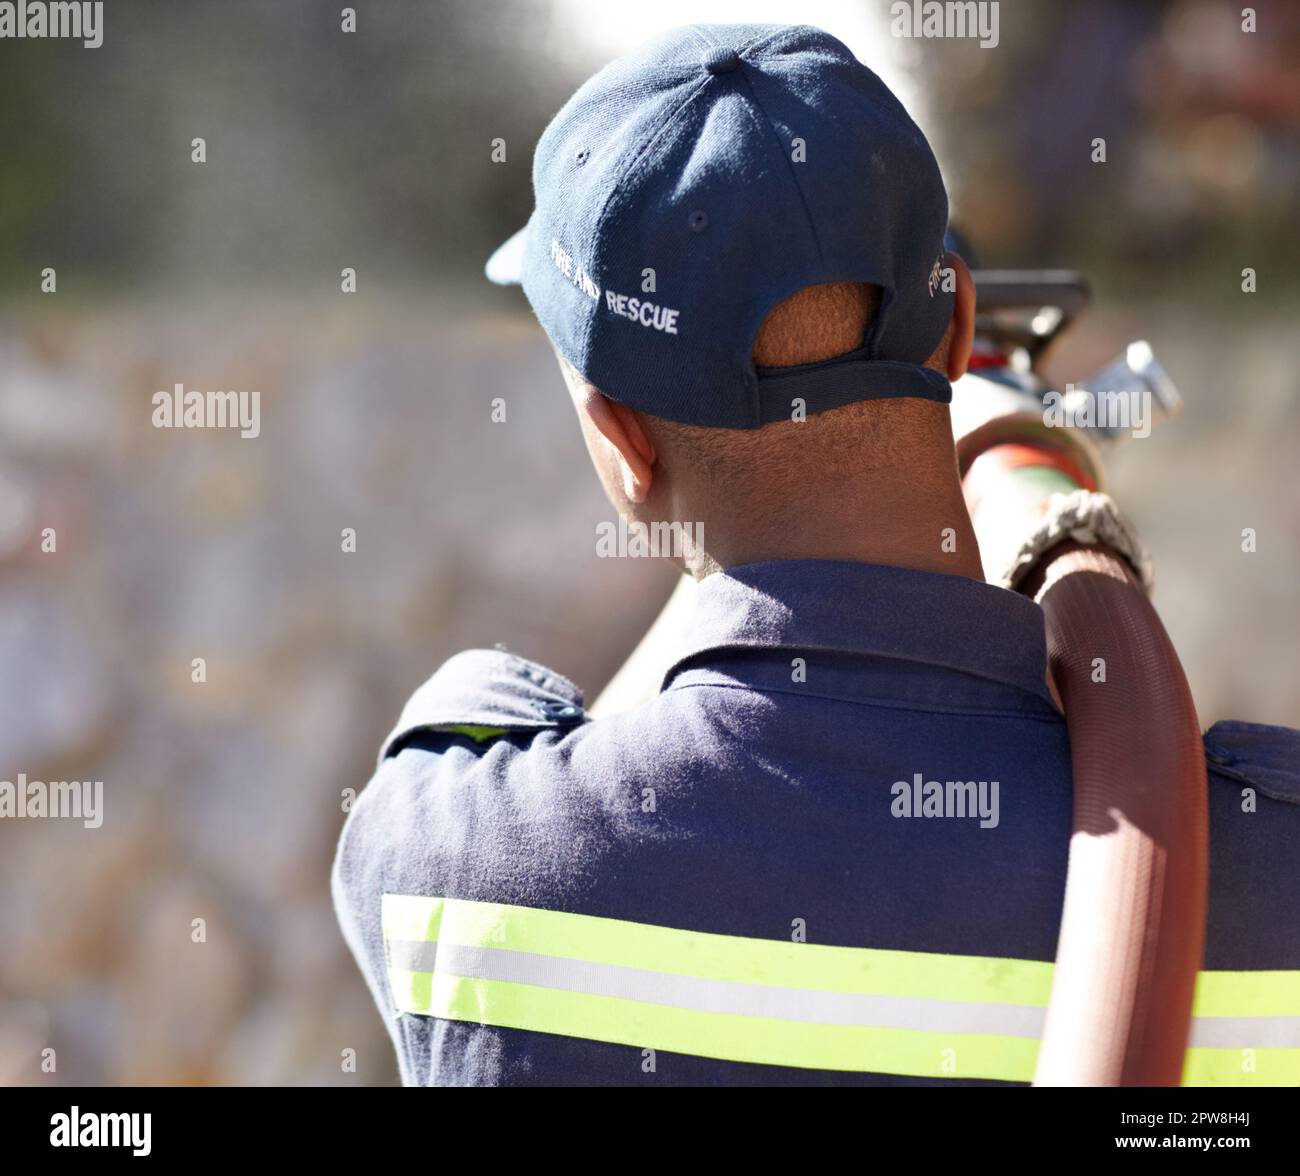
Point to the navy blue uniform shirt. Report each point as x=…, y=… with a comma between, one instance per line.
x=832, y=850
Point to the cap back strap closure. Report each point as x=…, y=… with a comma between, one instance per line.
x=844, y=380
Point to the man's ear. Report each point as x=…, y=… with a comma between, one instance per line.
x=632, y=448
x=963, y=319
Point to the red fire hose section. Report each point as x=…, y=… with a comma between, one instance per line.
x=1133, y=925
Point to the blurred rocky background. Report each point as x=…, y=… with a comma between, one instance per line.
x=373, y=150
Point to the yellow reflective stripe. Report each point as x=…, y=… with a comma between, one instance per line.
x=724, y=1036
x=1247, y=994
x=1242, y=1067
x=550, y=971
x=406, y=917
x=717, y=957
x=478, y=734
x=412, y=991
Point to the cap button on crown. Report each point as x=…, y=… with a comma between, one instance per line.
x=720, y=61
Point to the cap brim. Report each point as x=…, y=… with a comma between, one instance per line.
x=506, y=266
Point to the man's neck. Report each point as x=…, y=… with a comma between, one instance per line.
x=885, y=517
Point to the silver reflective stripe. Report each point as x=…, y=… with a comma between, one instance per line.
x=716, y=996
x=413, y=955
x=1241, y=1032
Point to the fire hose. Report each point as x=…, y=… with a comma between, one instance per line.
x=1133, y=924
x=1133, y=919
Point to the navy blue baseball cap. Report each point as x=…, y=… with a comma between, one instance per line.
x=690, y=187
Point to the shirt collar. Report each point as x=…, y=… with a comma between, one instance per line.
x=832, y=605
